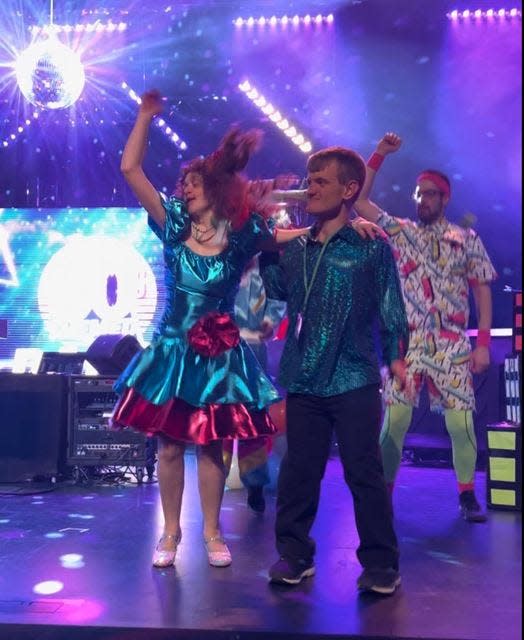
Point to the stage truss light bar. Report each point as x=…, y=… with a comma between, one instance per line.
x=284, y=20
x=484, y=14
x=20, y=129
x=160, y=122
x=86, y=27
x=275, y=116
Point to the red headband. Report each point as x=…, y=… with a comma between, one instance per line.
x=437, y=180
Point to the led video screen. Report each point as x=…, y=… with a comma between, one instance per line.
x=69, y=275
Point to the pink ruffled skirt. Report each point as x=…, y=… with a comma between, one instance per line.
x=178, y=420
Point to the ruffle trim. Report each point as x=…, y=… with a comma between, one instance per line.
x=181, y=421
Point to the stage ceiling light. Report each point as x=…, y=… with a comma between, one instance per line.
x=481, y=14
x=160, y=122
x=283, y=20
x=275, y=116
x=50, y=74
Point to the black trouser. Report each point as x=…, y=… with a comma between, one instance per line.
x=355, y=417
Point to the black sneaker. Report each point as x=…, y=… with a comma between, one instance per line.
x=255, y=499
x=383, y=581
x=470, y=508
x=291, y=571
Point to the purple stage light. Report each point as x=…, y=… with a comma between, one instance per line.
x=160, y=122
x=275, y=116
x=284, y=20
x=479, y=14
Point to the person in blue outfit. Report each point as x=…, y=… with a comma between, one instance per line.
x=257, y=317
x=197, y=382
x=337, y=287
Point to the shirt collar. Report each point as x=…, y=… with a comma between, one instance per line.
x=345, y=232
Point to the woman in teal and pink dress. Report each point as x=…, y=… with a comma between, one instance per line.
x=197, y=382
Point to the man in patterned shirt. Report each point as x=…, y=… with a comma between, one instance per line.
x=438, y=263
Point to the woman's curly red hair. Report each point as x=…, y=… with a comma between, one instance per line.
x=224, y=184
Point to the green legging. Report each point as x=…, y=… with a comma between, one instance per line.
x=460, y=428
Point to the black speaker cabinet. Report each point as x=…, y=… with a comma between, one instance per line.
x=33, y=426
x=110, y=354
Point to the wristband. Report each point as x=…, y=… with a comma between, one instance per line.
x=375, y=161
x=483, y=338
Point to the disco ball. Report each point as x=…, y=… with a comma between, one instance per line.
x=50, y=75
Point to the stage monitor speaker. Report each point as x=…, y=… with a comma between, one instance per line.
x=33, y=426
x=110, y=354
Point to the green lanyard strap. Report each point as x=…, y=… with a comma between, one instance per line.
x=309, y=286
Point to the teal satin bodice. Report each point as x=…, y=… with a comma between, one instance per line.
x=195, y=285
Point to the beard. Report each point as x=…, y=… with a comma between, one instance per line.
x=427, y=215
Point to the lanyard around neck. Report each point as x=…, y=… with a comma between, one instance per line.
x=308, y=286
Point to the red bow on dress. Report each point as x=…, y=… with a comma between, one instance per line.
x=213, y=333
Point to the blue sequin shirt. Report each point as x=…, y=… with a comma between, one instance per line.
x=356, y=289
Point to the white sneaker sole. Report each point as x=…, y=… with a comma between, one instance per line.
x=307, y=573
x=384, y=591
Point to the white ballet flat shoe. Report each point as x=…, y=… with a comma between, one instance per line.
x=218, y=558
x=164, y=557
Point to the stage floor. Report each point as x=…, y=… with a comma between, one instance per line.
x=75, y=564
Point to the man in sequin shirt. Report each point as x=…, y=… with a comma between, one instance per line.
x=338, y=287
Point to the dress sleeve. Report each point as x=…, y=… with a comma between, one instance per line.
x=177, y=221
x=253, y=236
